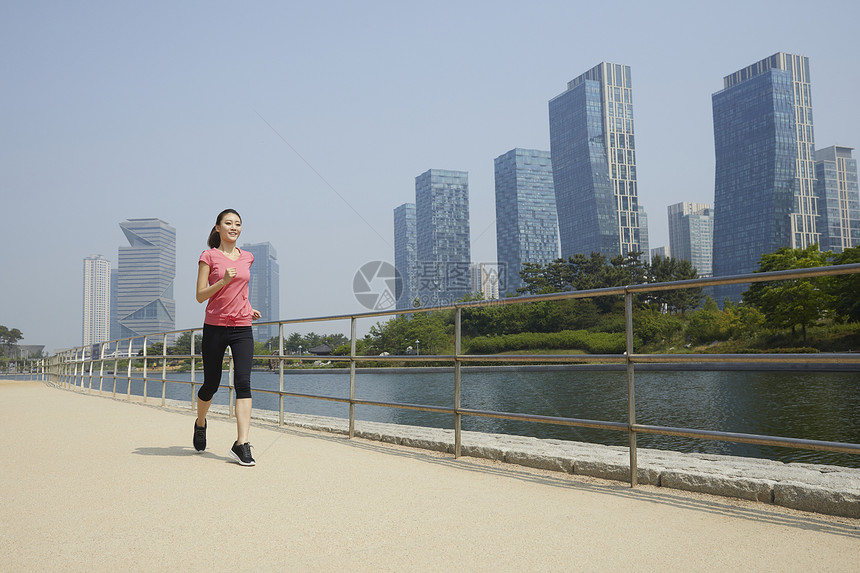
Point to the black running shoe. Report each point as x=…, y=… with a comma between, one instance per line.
x=200, y=436
x=242, y=454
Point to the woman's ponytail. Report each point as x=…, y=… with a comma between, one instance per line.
x=214, y=239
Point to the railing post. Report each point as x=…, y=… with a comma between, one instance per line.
x=163, y=368
x=128, y=384
x=352, y=346
x=115, y=365
x=145, y=365
x=457, y=365
x=92, y=361
x=280, y=374
x=101, y=366
x=193, y=366
x=631, y=387
x=75, y=378
x=230, y=388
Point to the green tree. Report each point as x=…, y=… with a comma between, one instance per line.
x=846, y=289
x=585, y=272
x=9, y=338
x=669, y=269
x=789, y=303
x=182, y=344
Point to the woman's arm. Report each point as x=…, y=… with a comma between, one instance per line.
x=204, y=289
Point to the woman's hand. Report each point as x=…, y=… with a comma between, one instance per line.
x=229, y=274
x=255, y=314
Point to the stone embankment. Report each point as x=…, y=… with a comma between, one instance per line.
x=830, y=490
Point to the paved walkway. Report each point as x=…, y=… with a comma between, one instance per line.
x=97, y=484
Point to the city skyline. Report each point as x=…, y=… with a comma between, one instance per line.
x=313, y=135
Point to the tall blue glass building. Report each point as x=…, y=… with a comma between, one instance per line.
x=838, y=200
x=442, y=224
x=526, y=220
x=594, y=163
x=264, y=288
x=145, y=275
x=764, y=185
x=405, y=254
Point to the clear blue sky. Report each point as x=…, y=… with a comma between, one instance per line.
x=114, y=110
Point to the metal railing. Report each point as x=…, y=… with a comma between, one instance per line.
x=73, y=367
x=24, y=369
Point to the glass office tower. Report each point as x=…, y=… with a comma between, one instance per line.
x=691, y=233
x=526, y=220
x=97, y=297
x=764, y=185
x=644, y=243
x=442, y=224
x=264, y=289
x=838, y=200
x=405, y=254
x=594, y=163
x=146, y=271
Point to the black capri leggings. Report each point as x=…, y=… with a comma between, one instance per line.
x=216, y=339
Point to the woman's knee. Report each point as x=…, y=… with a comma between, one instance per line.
x=207, y=391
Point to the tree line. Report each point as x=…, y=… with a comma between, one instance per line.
x=678, y=317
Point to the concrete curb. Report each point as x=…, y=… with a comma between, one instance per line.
x=830, y=490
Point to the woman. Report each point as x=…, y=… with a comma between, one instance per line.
x=222, y=278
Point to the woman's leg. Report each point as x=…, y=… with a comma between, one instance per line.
x=242, y=345
x=212, y=348
x=202, y=410
x=243, y=419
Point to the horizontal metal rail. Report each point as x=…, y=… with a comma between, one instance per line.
x=73, y=367
x=819, y=445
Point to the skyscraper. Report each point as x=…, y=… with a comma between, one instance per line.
x=644, y=243
x=838, y=200
x=442, y=224
x=526, y=220
x=96, y=311
x=405, y=254
x=146, y=271
x=594, y=163
x=691, y=232
x=264, y=288
x=485, y=280
x=764, y=185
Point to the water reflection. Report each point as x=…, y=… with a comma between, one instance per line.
x=810, y=405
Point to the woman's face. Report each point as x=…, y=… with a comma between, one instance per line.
x=229, y=228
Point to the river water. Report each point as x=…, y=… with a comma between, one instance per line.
x=810, y=405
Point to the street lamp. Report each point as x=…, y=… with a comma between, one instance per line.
x=417, y=348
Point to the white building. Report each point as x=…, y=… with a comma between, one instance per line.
x=96, y=303
x=691, y=235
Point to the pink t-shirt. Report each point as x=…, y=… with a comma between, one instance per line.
x=230, y=305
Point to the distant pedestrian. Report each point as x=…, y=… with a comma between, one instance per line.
x=223, y=273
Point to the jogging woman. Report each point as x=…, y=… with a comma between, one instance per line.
x=223, y=273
